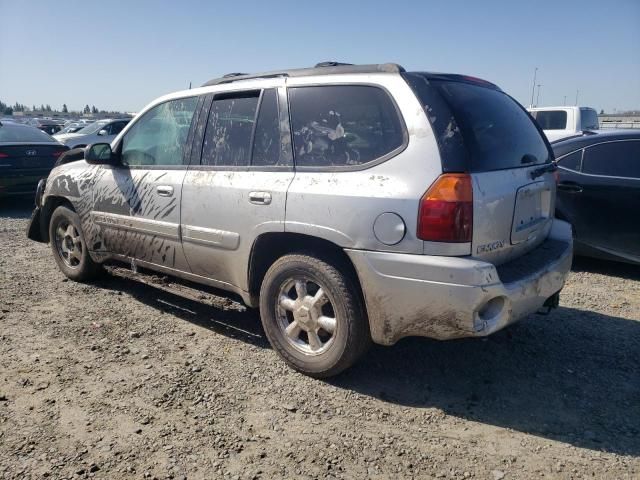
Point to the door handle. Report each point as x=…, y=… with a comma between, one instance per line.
x=260, y=198
x=571, y=187
x=164, y=190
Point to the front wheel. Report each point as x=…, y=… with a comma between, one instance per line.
x=69, y=247
x=313, y=316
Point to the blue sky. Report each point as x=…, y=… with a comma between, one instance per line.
x=122, y=54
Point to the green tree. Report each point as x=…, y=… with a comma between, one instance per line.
x=64, y=108
x=86, y=109
x=94, y=109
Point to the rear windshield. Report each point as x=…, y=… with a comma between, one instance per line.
x=496, y=130
x=551, y=119
x=15, y=133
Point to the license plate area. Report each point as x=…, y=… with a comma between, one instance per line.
x=532, y=211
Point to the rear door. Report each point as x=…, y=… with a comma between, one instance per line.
x=236, y=186
x=607, y=197
x=484, y=132
x=136, y=204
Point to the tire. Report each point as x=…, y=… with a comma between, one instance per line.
x=309, y=316
x=69, y=246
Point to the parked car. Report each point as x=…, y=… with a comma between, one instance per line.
x=27, y=155
x=46, y=125
x=599, y=193
x=562, y=122
x=349, y=203
x=99, y=131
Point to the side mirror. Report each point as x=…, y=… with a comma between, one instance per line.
x=99, y=154
x=103, y=132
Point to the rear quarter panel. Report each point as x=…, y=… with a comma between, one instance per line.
x=342, y=206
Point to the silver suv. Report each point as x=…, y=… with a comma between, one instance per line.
x=350, y=203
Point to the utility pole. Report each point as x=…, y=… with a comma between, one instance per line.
x=538, y=96
x=533, y=87
x=577, y=92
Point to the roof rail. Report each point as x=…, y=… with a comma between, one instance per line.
x=322, y=68
x=234, y=74
x=330, y=63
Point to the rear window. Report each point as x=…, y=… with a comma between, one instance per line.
x=10, y=133
x=497, y=132
x=551, y=120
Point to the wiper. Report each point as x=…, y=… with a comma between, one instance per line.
x=549, y=167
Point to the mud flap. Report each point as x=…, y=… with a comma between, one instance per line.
x=549, y=304
x=34, y=231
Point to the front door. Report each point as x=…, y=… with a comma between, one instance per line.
x=237, y=187
x=136, y=204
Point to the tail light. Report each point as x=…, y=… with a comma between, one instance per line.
x=3, y=155
x=57, y=154
x=446, y=210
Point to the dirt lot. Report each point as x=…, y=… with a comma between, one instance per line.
x=120, y=379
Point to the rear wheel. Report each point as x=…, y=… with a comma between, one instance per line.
x=313, y=316
x=69, y=246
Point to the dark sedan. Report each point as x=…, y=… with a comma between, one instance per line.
x=27, y=154
x=599, y=192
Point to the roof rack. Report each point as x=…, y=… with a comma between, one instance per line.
x=322, y=68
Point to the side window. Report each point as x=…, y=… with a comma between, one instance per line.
x=116, y=127
x=159, y=136
x=266, y=143
x=613, y=159
x=572, y=161
x=552, y=119
x=589, y=119
x=342, y=125
x=227, y=140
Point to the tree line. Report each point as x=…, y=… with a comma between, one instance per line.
x=6, y=109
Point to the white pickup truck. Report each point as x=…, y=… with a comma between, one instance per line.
x=561, y=122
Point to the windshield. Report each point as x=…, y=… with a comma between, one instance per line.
x=93, y=128
x=19, y=133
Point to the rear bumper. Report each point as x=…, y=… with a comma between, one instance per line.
x=454, y=297
x=19, y=184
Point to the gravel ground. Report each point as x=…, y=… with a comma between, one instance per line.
x=121, y=379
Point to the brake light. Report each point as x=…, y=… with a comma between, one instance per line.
x=3, y=155
x=57, y=154
x=446, y=210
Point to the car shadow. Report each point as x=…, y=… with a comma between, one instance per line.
x=606, y=267
x=225, y=316
x=572, y=376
